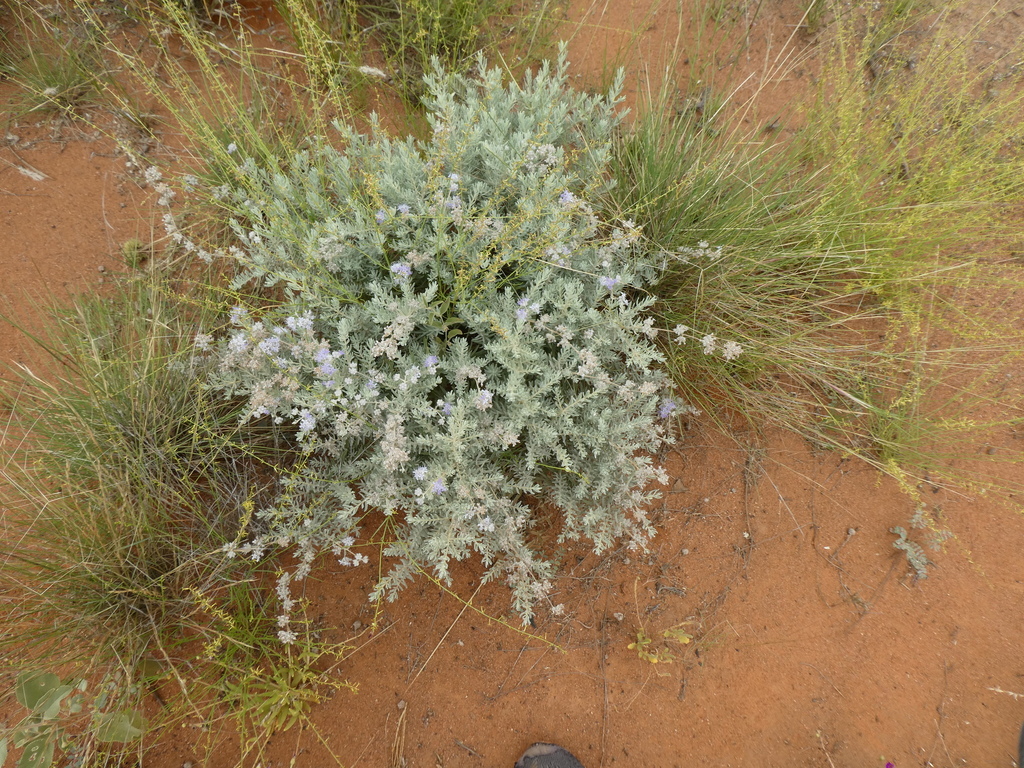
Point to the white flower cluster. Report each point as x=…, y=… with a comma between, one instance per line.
x=710, y=343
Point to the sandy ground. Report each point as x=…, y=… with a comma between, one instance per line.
x=813, y=644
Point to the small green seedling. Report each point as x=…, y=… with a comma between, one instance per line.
x=661, y=654
x=134, y=252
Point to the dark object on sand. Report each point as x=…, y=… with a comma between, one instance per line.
x=542, y=755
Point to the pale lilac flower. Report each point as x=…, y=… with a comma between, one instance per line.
x=446, y=409
x=483, y=400
x=419, y=473
x=666, y=408
x=439, y=487
x=610, y=282
x=404, y=209
x=430, y=361
x=380, y=216
x=270, y=345
x=486, y=525
x=304, y=323
x=567, y=198
x=401, y=269
x=307, y=421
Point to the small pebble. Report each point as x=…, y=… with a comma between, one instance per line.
x=401, y=704
x=619, y=616
x=357, y=625
x=101, y=268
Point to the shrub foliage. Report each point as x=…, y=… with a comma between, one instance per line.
x=451, y=331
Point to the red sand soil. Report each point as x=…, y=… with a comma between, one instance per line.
x=813, y=643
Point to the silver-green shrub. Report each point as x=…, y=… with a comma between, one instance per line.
x=452, y=333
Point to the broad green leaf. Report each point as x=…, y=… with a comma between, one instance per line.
x=150, y=669
x=49, y=706
x=32, y=687
x=25, y=734
x=120, y=726
x=38, y=753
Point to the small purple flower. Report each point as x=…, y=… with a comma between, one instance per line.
x=521, y=314
x=401, y=269
x=523, y=301
x=567, y=198
x=381, y=216
x=270, y=345
x=419, y=473
x=610, y=282
x=307, y=421
x=446, y=409
x=371, y=385
x=439, y=487
x=404, y=209
x=322, y=355
x=327, y=370
x=666, y=408
x=430, y=361
x=483, y=400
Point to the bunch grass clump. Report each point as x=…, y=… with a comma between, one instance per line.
x=55, y=60
x=413, y=33
x=123, y=480
x=448, y=329
x=833, y=253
